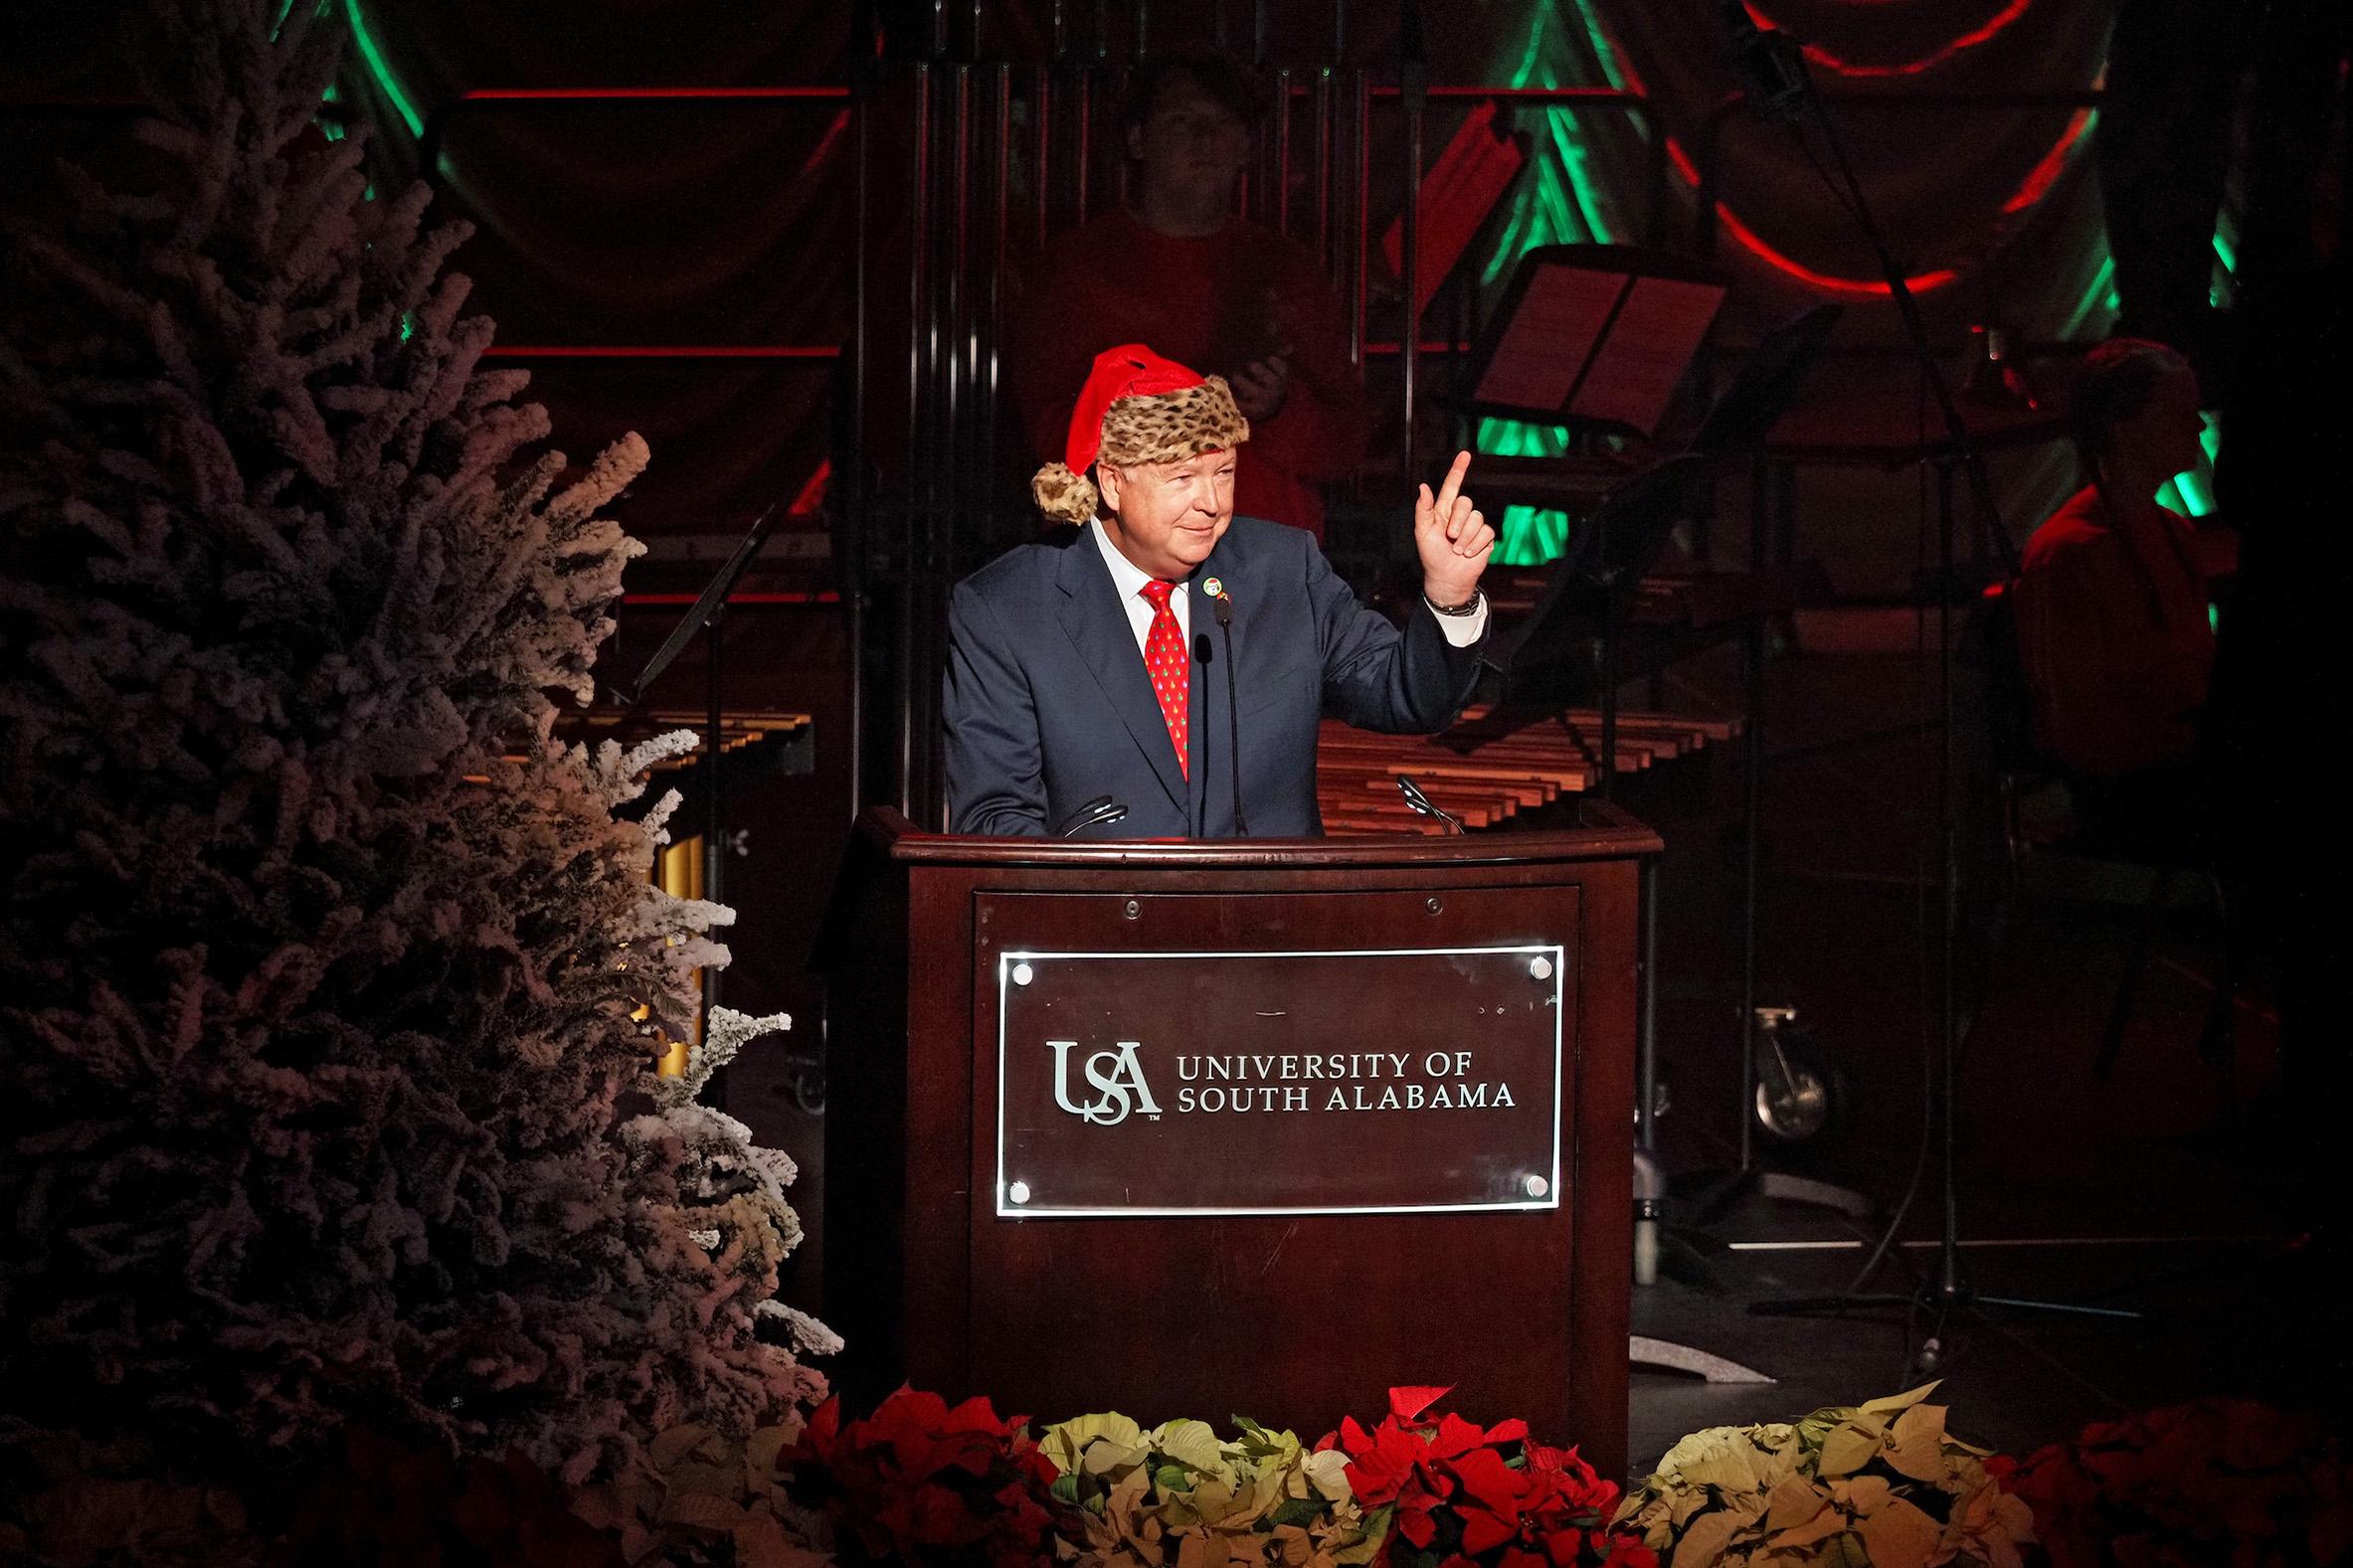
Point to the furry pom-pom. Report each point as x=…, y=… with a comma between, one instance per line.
x=1064, y=496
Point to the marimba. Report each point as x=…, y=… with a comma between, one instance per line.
x=1499, y=763
x=1491, y=766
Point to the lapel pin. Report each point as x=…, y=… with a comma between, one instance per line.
x=1213, y=588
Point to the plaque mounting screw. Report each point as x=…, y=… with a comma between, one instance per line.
x=1542, y=967
x=1020, y=1190
x=1537, y=1187
x=1023, y=974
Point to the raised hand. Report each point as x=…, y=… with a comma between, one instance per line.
x=1452, y=538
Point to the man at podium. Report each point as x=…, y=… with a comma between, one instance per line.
x=1170, y=658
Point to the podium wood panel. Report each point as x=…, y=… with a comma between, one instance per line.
x=1292, y=1318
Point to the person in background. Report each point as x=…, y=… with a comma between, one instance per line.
x=1179, y=268
x=2114, y=629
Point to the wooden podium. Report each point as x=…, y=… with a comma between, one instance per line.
x=1243, y=1127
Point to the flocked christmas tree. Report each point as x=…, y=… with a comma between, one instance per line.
x=329, y=982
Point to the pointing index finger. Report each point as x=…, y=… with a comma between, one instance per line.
x=1454, y=484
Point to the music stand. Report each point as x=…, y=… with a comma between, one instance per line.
x=1593, y=583
x=1599, y=571
x=1595, y=338
x=1604, y=559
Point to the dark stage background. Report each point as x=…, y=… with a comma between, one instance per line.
x=667, y=206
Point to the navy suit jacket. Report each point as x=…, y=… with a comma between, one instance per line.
x=1048, y=705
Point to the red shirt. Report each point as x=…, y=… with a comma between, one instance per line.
x=1214, y=305
x=2112, y=628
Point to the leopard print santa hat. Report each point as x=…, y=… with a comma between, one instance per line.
x=1136, y=408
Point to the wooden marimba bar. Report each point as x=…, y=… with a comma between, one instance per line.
x=1488, y=769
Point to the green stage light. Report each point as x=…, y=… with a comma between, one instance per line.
x=374, y=58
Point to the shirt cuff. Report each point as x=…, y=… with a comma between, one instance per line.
x=1464, y=631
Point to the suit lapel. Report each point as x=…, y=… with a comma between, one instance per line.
x=1098, y=626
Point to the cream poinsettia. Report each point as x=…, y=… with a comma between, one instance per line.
x=1176, y=1496
x=1881, y=1484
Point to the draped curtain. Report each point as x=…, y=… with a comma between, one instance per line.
x=627, y=219
x=725, y=225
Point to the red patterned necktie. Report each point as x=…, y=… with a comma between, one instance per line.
x=1164, y=661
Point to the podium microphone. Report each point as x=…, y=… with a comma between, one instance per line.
x=1233, y=720
x=1101, y=811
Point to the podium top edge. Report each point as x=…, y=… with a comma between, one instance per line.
x=1610, y=834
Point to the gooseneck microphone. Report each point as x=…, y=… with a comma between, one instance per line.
x=1200, y=656
x=1233, y=721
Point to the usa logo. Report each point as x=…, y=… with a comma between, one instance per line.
x=1117, y=1078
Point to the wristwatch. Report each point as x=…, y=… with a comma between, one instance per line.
x=1467, y=607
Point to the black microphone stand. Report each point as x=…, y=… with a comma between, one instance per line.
x=1779, y=87
x=1233, y=722
x=708, y=609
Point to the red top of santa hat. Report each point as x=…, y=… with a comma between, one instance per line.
x=1128, y=371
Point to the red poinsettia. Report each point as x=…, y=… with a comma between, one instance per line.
x=1467, y=1497
x=2226, y=1480
x=924, y=1482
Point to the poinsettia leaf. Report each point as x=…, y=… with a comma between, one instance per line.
x=1821, y=1528
x=1793, y=1502
x=1105, y=1458
x=1848, y=1446
x=1900, y=1536
x=1454, y=1435
x=1485, y=1479
x=974, y=1415
x=1915, y=1446
x=761, y=1542
x=1066, y=1442
x=1328, y=1474
x=1892, y=1404
x=1188, y=1442
x=1211, y=1501
x=1407, y=1402
x=699, y=1476
x=1373, y=1535
x=1484, y=1532
x=1734, y=1467
x=1198, y=1550
x=670, y=1445
x=701, y=1510
x=599, y=1508
x=1864, y=1496
x=762, y=1448
x=1704, y=1540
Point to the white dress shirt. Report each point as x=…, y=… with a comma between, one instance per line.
x=1129, y=579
